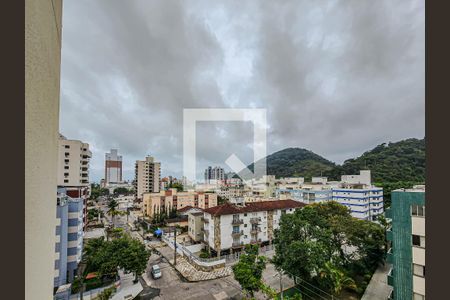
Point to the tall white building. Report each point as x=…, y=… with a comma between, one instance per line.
x=229, y=227
x=214, y=174
x=73, y=162
x=147, y=176
x=113, y=167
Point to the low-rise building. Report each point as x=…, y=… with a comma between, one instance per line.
x=229, y=227
x=407, y=240
x=195, y=226
x=166, y=201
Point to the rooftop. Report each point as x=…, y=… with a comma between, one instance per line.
x=228, y=208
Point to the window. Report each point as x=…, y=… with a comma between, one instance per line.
x=418, y=210
x=66, y=167
x=67, y=146
x=419, y=270
x=418, y=241
x=245, y=215
x=235, y=229
x=66, y=181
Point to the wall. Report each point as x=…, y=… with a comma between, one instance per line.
x=42, y=79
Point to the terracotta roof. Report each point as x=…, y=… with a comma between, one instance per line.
x=229, y=209
x=177, y=219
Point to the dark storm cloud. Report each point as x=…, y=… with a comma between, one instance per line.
x=336, y=77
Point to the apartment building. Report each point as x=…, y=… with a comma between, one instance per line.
x=69, y=237
x=73, y=162
x=364, y=200
x=155, y=203
x=113, y=167
x=407, y=240
x=195, y=226
x=229, y=227
x=147, y=177
x=214, y=173
x=43, y=21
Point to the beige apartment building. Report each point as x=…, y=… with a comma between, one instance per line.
x=154, y=203
x=73, y=162
x=42, y=78
x=195, y=226
x=147, y=177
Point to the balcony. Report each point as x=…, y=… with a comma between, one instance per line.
x=255, y=220
x=237, y=233
x=255, y=230
x=237, y=221
x=237, y=244
x=205, y=220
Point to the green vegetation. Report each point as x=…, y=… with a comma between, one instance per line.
x=248, y=271
x=93, y=214
x=97, y=191
x=112, y=209
x=122, y=191
x=296, y=162
x=176, y=185
x=106, y=294
x=310, y=244
x=105, y=257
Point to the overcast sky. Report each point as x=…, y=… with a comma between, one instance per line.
x=336, y=77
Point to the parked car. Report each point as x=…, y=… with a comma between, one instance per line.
x=156, y=272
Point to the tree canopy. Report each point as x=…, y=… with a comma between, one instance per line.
x=323, y=243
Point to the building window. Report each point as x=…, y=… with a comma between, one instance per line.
x=418, y=240
x=419, y=270
x=235, y=229
x=418, y=210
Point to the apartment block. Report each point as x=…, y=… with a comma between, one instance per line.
x=73, y=162
x=113, y=167
x=230, y=227
x=214, y=174
x=69, y=237
x=147, y=177
x=195, y=226
x=407, y=243
x=155, y=203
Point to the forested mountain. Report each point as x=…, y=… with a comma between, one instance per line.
x=402, y=161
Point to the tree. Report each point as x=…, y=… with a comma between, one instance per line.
x=176, y=185
x=311, y=239
x=248, y=271
x=335, y=279
x=112, y=210
x=134, y=258
x=121, y=191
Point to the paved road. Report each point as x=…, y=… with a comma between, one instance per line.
x=172, y=286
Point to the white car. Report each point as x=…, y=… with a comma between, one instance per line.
x=156, y=272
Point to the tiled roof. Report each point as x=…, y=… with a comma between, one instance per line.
x=229, y=209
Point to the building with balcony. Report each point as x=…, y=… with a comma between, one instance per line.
x=229, y=227
x=166, y=201
x=147, y=177
x=195, y=226
x=69, y=237
x=406, y=238
x=73, y=162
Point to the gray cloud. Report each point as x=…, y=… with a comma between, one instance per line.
x=336, y=77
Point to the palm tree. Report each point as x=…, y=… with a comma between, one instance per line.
x=112, y=210
x=337, y=279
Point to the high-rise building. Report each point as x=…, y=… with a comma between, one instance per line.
x=147, y=176
x=69, y=237
x=43, y=21
x=73, y=162
x=113, y=167
x=216, y=173
x=407, y=243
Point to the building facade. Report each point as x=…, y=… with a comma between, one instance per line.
x=147, y=177
x=214, y=173
x=43, y=27
x=113, y=167
x=407, y=240
x=69, y=237
x=73, y=162
x=195, y=226
x=166, y=201
x=229, y=227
